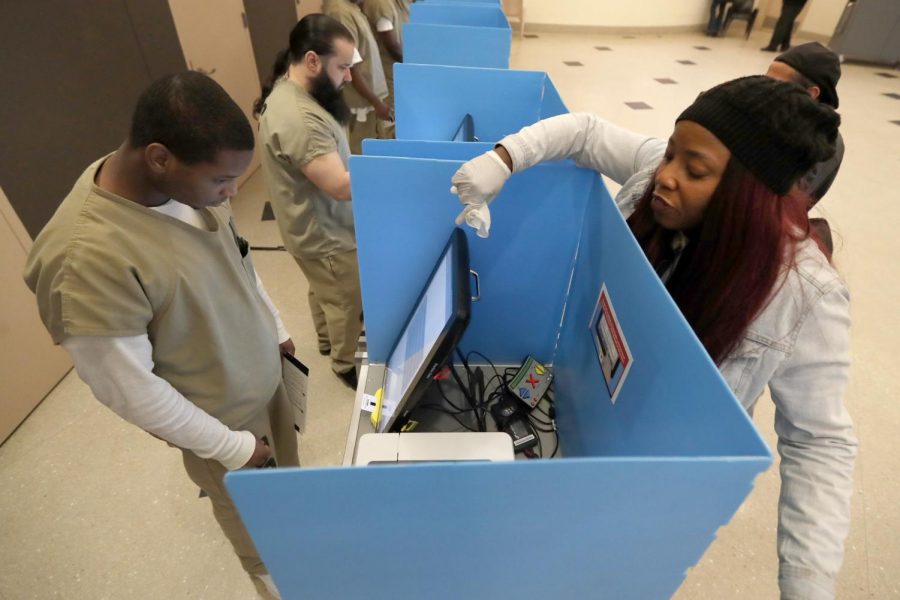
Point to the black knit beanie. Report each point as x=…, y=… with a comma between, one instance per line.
x=773, y=128
x=818, y=64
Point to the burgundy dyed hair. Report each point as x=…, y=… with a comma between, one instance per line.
x=731, y=265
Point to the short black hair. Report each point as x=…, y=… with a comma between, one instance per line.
x=192, y=116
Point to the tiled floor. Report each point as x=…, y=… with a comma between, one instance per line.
x=92, y=508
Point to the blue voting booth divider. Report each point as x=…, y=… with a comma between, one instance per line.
x=431, y=101
x=479, y=2
x=457, y=33
x=465, y=46
x=645, y=482
x=420, y=149
x=473, y=14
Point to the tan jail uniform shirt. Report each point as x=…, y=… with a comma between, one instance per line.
x=395, y=12
x=107, y=266
x=293, y=130
x=371, y=69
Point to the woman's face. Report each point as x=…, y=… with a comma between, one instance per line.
x=687, y=177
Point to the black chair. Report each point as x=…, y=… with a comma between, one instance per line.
x=742, y=10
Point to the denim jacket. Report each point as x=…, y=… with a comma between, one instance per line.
x=798, y=345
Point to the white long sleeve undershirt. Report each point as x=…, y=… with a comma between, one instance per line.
x=119, y=371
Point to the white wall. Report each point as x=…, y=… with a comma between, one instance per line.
x=305, y=7
x=618, y=13
x=822, y=17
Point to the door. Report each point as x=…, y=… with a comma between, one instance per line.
x=30, y=365
x=270, y=24
x=215, y=38
x=70, y=74
x=306, y=7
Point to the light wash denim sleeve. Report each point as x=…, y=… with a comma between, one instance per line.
x=818, y=449
x=590, y=141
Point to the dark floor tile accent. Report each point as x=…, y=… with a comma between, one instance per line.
x=887, y=75
x=896, y=122
x=702, y=47
x=602, y=48
x=573, y=63
x=892, y=95
x=686, y=62
x=268, y=215
x=530, y=35
x=666, y=80
x=639, y=106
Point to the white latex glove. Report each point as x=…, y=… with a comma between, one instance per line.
x=477, y=183
x=476, y=216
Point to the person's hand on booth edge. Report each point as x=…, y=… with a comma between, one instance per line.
x=384, y=112
x=477, y=183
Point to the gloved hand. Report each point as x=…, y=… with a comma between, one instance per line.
x=476, y=216
x=477, y=183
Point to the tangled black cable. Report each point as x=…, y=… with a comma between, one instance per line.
x=479, y=404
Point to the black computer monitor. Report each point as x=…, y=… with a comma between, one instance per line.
x=429, y=335
x=466, y=130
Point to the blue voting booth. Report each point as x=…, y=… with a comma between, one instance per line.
x=652, y=465
x=646, y=480
x=472, y=34
x=431, y=100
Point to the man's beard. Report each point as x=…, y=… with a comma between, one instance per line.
x=330, y=97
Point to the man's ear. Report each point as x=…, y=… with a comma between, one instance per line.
x=312, y=61
x=814, y=92
x=158, y=158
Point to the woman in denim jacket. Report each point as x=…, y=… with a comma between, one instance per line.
x=718, y=215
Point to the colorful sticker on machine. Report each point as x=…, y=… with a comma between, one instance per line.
x=612, y=348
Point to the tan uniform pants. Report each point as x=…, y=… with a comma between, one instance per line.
x=335, y=302
x=277, y=425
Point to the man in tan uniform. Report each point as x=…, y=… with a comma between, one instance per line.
x=304, y=154
x=386, y=18
x=368, y=89
x=141, y=276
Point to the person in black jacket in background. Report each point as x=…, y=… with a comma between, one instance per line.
x=781, y=36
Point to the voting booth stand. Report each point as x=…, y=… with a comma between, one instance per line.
x=657, y=453
x=472, y=34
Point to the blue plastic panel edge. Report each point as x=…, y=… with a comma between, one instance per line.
x=455, y=45
x=551, y=102
x=623, y=529
x=431, y=100
x=476, y=2
x=673, y=401
x=478, y=15
x=419, y=149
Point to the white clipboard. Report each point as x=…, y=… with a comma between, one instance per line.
x=296, y=382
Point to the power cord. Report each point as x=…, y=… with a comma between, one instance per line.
x=479, y=404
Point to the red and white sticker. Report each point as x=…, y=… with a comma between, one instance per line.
x=613, y=354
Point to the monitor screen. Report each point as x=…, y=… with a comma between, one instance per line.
x=430, y=334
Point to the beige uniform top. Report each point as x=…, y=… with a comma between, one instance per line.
x=397, y=13
x=371, y=69
x=107, y=266
x=293, y=130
